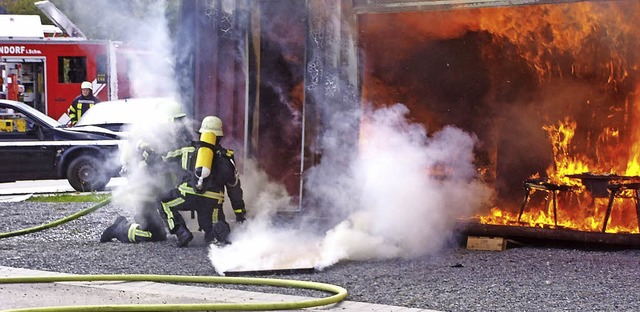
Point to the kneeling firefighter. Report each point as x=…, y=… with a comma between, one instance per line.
x=160, y=170
x=214, y=172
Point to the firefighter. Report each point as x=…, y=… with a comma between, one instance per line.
x=160, y=171
x=82, y=103
x=214, y=172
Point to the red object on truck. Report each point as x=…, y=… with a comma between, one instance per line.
x=45, y=70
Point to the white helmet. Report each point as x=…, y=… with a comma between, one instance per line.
x=86, y=85
x=211, y=124
x=174, y=111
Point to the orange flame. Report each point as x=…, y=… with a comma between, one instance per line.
x=542, y=39
x=591, y=44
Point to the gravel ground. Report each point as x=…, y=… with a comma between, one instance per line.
x=526, y=278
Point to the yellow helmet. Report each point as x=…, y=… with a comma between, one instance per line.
x=86, y=85
x=211, y=124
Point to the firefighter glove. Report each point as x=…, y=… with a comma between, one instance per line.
x=240, y=217
x=151, y=157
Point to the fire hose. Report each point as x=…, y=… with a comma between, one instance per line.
x=339, y=293
x=60, y=221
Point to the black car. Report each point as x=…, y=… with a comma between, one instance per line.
x=34, y=146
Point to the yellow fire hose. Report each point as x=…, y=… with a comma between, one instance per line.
x=339, y=293
x=60, y=221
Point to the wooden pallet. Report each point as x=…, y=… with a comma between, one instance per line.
x=486, y=243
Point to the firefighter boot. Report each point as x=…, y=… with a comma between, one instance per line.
x=184, y=235
x=119, y=230
x=219, y=234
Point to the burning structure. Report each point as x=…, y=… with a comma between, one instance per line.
x=548, y=88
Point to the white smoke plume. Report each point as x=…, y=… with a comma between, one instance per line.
x=142, y=28
x=148, y=53
x=151, y=73
x=401, y=196
x=157, y=131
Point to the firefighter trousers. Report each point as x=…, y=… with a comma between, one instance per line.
x=208, y=208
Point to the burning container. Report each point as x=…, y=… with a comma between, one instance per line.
x=548, y=87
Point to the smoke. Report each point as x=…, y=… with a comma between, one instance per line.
x=142, y=27
x=408, y=189
x=154, y=134
x=400, y=196
x=384, y=188
x=150, y=56
x=151, y=73
x=397, y=194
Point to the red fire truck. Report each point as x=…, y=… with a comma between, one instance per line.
x=43, y=66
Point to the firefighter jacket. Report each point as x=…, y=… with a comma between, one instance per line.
x=161, y=158
x=175, y=159
x=79, y=106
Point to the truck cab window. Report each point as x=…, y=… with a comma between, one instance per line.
x=72, y=69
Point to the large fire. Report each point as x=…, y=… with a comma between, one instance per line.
x=550, y=90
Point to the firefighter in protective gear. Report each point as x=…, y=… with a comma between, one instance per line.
x=82, y=103
x=160, y=170
x=207, y=199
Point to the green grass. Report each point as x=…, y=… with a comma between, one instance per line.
x=69, y=198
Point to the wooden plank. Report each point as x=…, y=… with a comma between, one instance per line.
x=486, y=243
x=549, y=236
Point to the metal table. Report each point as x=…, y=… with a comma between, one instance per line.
x=611, y=186
x=543, y=184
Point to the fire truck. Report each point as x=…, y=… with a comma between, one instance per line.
x=44, y=65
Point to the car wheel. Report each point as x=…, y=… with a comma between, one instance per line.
x=85, y=174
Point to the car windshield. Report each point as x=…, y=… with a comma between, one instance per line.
x=123, y=112
x=38, y=114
